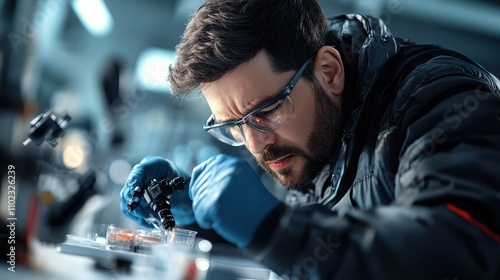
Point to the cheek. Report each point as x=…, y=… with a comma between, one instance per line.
x=298, y=128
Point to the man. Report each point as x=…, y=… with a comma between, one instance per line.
x=390, y=148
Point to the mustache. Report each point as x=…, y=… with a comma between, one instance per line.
x=273, y=153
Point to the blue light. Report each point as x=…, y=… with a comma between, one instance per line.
x=94, y=15
x=152, y=69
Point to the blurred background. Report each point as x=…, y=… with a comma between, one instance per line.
x=105, y=63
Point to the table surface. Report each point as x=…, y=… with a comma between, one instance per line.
x=73, y=260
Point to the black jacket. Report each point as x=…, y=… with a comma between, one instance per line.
x=413, y=192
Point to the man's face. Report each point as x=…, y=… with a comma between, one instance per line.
x=297, y=151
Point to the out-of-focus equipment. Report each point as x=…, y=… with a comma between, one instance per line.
x=56, y=215
x=157, y=195
x=47, y=127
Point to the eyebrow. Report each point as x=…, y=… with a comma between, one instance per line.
x=261, y=103
x=294, y=77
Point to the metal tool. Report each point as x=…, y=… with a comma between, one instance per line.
x=157, y=195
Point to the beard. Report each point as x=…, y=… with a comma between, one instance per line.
x=322, y=143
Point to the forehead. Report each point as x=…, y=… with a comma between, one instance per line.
x=242, y=89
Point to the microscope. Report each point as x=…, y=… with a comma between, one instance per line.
x=157, y=195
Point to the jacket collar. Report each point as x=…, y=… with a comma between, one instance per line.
x=366, y=45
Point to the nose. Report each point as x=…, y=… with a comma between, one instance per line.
x=257, y=141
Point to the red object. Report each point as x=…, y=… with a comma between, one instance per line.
x=466, y=216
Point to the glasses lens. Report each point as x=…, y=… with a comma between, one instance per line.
x=272, y=117
x=229, y=134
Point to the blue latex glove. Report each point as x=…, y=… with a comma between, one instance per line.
x=158, y=168
x=229, y=197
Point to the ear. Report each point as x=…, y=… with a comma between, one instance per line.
x=330, y=69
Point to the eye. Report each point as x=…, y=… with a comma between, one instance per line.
x=268, y=116
x=269, y=111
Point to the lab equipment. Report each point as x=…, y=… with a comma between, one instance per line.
x=47, y=127
x=145, y=239
x=157, y=195
x=154, y=167
x=181, y=238
x=120, y=238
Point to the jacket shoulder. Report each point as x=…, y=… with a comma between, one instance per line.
x=430, y=80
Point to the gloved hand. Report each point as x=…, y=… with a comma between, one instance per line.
x=158, y=168
x=229, y=197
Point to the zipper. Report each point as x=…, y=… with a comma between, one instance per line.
x=340, y=171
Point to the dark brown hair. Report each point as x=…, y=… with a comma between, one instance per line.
x=223, y=34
